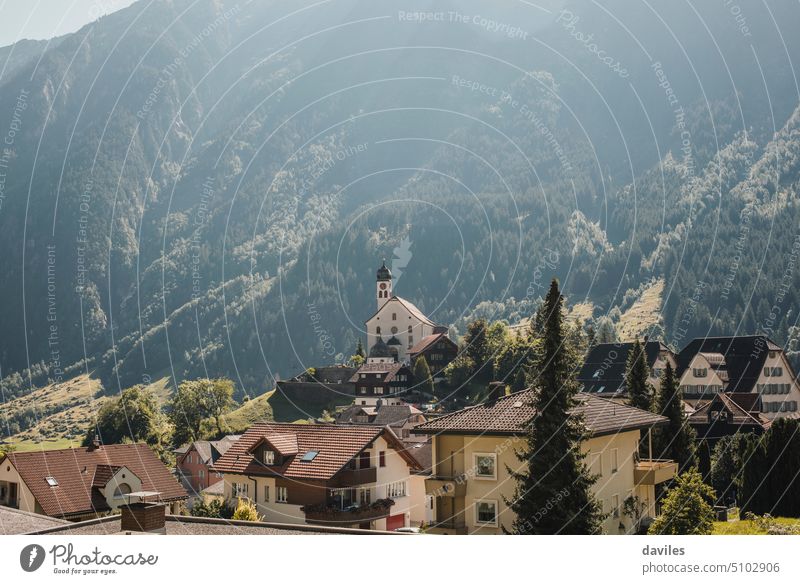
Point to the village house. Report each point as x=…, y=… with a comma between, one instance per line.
x=437, y=350
x=603, y=371
x=743, y=364
x=401, y=418
x=343, y=475
x=81, y=483
x=474, y=448
x=381, y=382
x=195, y=462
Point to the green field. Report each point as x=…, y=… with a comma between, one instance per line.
x=746, y=527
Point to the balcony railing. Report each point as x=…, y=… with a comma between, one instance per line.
x=654, y=471
x=333, y=515
x=446, y=486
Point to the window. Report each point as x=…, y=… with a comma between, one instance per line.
x=396, y=490
x=379, y=390
x=268, y=457
x=394, y=330
x=485, y=466
x=240, y=489
x=365, y=497
x=51, y=481
x=363, y=389
x=381, y=458
x=201, y=473
x=309, y=456
x=486, y=512
x=596, y=466
x=700, y=372
x=394, y=316
x=614, y=460
x=615, y=506
x=363, y=376
x=409, y=329
x=281, y=494
x=773, y=371
x=266, y=493
x=122, y=490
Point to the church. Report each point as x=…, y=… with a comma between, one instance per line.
x=397, y=325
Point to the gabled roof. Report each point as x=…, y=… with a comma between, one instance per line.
x=426, y=342
x=603, y=370
x=336, y=446
x=75, y=468
x=103, y=474
x=743, y=408
x=383, y=415
x=389, y=369
x=283, y=443
x=408, y=305
x=208, y=450
x=511, y=414
x=744, y=357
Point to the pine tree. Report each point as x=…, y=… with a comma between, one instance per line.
x=640, y=394
x=754, y=490
x=675, y=440
x=553, y=493
x=360, y=350
x=687, y=507
x=782, y=452
x=422, y=375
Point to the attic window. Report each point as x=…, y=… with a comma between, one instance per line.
x=310, y=455
x=51, y=481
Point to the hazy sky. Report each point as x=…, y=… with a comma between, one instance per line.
x=44, y=19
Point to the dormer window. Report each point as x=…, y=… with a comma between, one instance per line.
x=268, y=457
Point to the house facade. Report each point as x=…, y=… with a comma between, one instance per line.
x=474, y=448
x=81, y=483
x=437, y=350
x=744, y=364
x=381, y=382
x=337, y=475
x=195, y=463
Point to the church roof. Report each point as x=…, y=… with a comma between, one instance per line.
x=393, y=341
x=384, y=273
x=412, y=309
x=380, y=349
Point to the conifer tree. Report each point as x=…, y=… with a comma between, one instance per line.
x=640, y=394
x=553, y=493
x=422, y=375
x=675, y=440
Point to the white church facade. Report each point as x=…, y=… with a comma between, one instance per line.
x=397, y=324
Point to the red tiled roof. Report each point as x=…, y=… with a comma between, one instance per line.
x=336, y=446
x=426, y=342
x=510, y=414
x=76, y=471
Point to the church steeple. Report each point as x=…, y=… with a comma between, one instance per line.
x=384, y=284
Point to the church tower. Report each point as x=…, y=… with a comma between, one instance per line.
x=384, y=285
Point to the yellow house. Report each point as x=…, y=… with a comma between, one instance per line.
x=474, y=448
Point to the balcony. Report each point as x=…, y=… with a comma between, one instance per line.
x=654, y=471
x=351, y=477
x=444, y=486
x=333, y=515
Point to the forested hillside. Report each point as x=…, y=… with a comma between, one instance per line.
x=205, y=188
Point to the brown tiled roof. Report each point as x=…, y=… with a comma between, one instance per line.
x=510, y=414
x=336, y=446
x=75, y=470
x=103, y=474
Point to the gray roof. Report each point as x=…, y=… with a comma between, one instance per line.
x=14, y=521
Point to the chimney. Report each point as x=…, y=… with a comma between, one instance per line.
x=497, y=389
x=95, y=445
x=143, y=518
